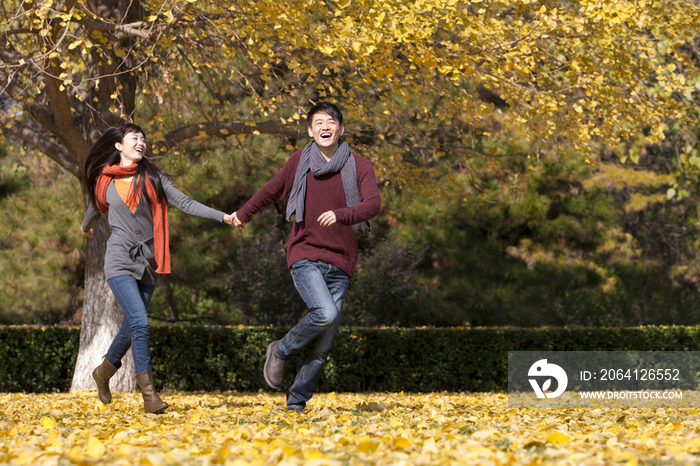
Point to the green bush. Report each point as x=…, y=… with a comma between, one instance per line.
x=39, y=359
x=386, y=288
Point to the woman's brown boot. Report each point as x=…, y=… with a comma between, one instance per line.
x=102, y=374
x=151, y=401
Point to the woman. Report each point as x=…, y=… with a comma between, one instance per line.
x=121, y=180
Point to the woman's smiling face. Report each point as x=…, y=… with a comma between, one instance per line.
x=132, y=148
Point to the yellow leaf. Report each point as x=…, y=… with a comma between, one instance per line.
x=95, y=448
x=8, y=428
x=671, y=426
x=558, y=438
x=48, y=422
x=429, y=446
x=367, y=446
x=402, y=442
x=154, y=459
x=626, y=456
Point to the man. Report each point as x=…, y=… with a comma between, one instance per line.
x=332, y=194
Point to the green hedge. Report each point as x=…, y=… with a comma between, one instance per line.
x=40, y=359
x=37, y=359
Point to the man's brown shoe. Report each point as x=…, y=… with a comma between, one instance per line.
x=274, y=367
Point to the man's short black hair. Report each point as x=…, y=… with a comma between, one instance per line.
x=327, y=108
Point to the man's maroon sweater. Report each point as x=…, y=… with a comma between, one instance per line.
x=335, y=244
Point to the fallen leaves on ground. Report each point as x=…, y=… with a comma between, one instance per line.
x=336, y=429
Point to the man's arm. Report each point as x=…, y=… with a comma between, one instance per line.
x=275, y=190
x=368, y=208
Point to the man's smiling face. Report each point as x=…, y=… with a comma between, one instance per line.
x=326, y=131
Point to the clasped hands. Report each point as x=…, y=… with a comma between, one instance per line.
x=232, y=219
x=326, y=219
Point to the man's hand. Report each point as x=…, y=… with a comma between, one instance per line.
x=237, y=222
x=228, y=219
x=327, y=219
x=89, y=234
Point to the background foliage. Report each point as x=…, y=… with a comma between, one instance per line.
x=573, y=244
x=194, y=358
x=538, y=161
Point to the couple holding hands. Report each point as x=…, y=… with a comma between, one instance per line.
x=330, y=192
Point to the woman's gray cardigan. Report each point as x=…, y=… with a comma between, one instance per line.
x=130, y=246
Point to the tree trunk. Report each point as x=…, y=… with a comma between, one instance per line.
x=102, y=318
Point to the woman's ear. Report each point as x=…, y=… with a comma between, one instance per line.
x=118, y=146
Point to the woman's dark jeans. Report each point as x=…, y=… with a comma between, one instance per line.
x=135, y=332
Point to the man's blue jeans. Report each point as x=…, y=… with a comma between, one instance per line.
x=135, y=332
x=322, y=287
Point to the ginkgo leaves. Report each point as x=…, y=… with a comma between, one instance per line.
x=382, y=429
x=576, y=76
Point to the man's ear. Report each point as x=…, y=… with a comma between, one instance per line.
x=342, y=130
x=311, y=133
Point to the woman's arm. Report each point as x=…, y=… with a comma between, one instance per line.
x=91, y=217
x=190, y=206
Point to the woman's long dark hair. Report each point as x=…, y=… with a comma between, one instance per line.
x=103, y=153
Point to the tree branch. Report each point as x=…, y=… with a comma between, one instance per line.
x=52, y=150
x=10, y=55
x=145, y=29
x=14, y=32
x=66, y=131
x=133, y=29
x=225, y=130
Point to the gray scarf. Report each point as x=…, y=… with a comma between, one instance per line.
x=312, y=159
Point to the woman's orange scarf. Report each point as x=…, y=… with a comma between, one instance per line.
x=161, y=241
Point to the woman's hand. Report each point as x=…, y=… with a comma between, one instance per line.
x=89, y=234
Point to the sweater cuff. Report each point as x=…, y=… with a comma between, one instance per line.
x=243, y=216
x=341, y=216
